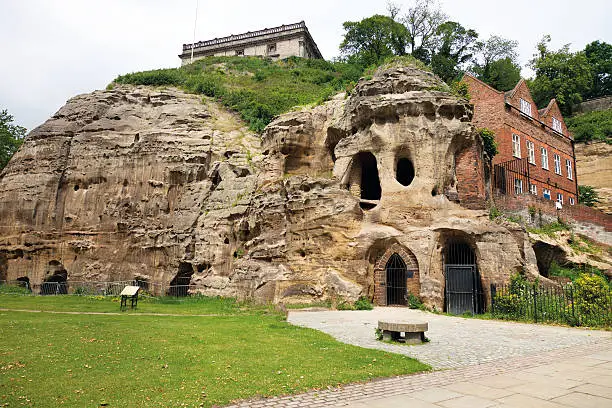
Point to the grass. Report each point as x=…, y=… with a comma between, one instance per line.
x=550, y=229
x=141, y=360
x=257, y=88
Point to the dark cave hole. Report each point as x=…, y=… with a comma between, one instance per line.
x=404, y=172
x=370, y=182
x=179, y=285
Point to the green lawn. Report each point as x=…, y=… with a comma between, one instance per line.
x=140, y=361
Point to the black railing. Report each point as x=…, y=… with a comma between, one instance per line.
x=573, y=304
x=511, y=177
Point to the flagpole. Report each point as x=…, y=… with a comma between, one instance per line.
x=195, y=24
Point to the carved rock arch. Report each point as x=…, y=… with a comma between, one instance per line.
x=413, y=283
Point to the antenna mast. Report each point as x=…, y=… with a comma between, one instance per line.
x=195, y=24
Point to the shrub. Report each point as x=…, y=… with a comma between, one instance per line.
x=588, y=196
x=363, y=303
x=591, y=126
x=414, y=302
x=592, y=299
x=461, y=90
x=488, y=140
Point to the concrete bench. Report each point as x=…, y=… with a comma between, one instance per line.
x=414, y=332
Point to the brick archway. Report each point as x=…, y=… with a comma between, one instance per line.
x=413, y=283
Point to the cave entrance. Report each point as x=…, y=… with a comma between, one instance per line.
x=396, y=272
x=24, y=282
x=463, y=288
x=404, y=171
x=370, y=182
x=57, y=281
x=546, y=255
x=179, y=285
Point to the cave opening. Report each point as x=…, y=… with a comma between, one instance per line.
x=24, y=282
x=546, y=256
x=179, y=285
x=404, y=171
x=370, y=182
x=57, y=281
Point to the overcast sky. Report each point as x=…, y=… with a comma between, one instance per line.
x=53, y=50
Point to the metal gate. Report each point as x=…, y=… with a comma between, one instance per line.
x=463, y=289
x=396, y=280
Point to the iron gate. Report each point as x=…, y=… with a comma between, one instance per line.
x=461, y=289
x=396, y=281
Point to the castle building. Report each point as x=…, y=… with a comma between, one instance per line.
x=536, y=151
x=293, y=40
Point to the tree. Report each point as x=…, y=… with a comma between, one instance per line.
x=11, y=137
x=599, y=55
x=422, y=21
x=561, y=74
x=455, y=46
x=495, y=63
x=373, y=39
x=587, y=195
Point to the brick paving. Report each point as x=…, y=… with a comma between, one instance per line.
x=574, y=371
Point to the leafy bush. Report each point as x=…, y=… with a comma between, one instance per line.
x=363, y=303
x=488, y=139
x=259, y=89
x=588, y=196
x=461, y=90
x=551, y=228
x=414, y=302
x=591, y=126
x=592, y=299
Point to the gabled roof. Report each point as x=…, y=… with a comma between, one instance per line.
x=481, y=82
x=544, y=112
x=510, y=94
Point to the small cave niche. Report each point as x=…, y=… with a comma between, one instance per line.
x=226, y=241
x=364, y=180
x=24, y=282
x=546, y=255
x=76, y=187
x=203, y=267
x=179, y=285
x=404, y=171
x=56, y=282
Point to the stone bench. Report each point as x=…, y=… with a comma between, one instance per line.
x=414, y=332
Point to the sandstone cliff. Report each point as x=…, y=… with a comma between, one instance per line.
x=159, y=185
x=594, y=167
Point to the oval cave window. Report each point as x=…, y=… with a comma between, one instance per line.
x=404, y=171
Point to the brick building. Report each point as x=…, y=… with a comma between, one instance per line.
x=536, y=151
x=276, y=43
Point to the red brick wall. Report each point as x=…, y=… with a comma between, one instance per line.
x=470, y=178
x=579, y=212
x=413, y=284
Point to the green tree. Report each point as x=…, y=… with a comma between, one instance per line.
x=596, y=125
x=422, y=21
x=599, y=55
x=587, y=195
x=11, y=137
x=495, y=63
x=373, y=39
x=561, y=74
x=455, y=49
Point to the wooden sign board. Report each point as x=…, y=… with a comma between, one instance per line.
x=130, y=291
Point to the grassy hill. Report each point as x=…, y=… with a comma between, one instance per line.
x=257, y=88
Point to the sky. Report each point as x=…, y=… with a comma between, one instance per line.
x=54, y=50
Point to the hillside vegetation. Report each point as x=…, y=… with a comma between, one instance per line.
x=591, y=126
x=258, y=89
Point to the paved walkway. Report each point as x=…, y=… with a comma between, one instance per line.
x=538, y=366
x=454, y=341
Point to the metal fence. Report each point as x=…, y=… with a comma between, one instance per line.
x=569, y=304
x=512, y=177
x=94, y=288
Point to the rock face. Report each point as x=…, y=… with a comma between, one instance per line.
x=330, y=202
x=595, y=169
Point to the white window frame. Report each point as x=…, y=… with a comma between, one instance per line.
x=557, y=160
x=545, y=193
x=544, y=153
x=518, y=186
x=516, y=146
x=525, y=107
x=531, y=152
x=533, y=189
x=568, y=167
x=572, y=201
x=560, y=198
x=556, y=125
